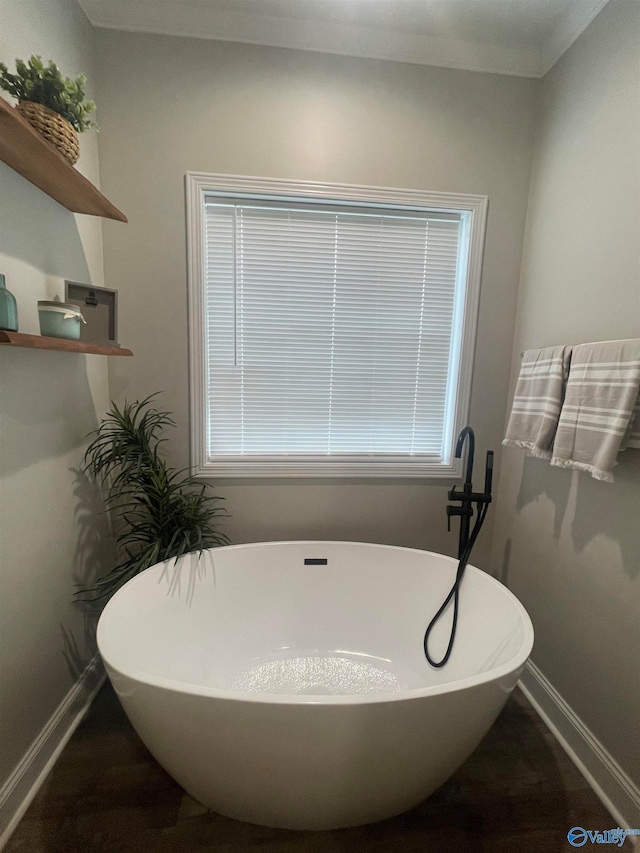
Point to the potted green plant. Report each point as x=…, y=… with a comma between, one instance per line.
x=159, y=512
x=53, y=104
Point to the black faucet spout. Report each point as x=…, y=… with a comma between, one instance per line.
x=467, y=432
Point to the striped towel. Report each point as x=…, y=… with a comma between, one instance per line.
x=538, y=400
x=632, y=439
x=598, y=415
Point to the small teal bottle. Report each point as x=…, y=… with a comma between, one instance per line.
x=8, y=308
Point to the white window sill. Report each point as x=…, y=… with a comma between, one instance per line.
x=325, y=468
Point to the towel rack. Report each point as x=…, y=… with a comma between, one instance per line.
x=616, y=341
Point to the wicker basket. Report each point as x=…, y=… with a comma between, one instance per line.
x=53, y=127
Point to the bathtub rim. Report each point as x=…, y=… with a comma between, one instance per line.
x=517, y=661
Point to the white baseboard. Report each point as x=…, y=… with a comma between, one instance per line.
x=23, y=784
x=618, y=793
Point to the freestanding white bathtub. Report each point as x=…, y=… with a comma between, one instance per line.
x=297, y=695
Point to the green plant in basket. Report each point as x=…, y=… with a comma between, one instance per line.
x=159, y=512
x=43, y=83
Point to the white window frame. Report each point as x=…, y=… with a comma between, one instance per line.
x=474, y=213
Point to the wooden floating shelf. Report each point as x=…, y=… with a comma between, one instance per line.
x=26, y=151
x=18, y=339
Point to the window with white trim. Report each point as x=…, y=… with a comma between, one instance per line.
x=332, y=328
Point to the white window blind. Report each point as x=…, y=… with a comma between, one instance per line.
x=330, y=331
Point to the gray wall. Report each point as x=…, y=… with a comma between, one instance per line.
x=567, y=545
x=50, y=532
x=172, y=105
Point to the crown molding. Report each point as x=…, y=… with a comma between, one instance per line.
x=200, y=20
x=570, y=27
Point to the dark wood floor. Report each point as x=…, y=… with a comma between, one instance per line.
x=518, y=792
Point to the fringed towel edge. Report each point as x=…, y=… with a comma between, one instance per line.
x=529, y=448
x=596, y=473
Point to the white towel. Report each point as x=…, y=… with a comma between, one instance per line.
x=538, y=400
x=598, y=414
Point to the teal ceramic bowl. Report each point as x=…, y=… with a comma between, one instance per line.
x=60, y=320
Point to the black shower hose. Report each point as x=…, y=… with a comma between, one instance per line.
x=455, y=592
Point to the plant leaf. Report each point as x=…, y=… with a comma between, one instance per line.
x=159, y=512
